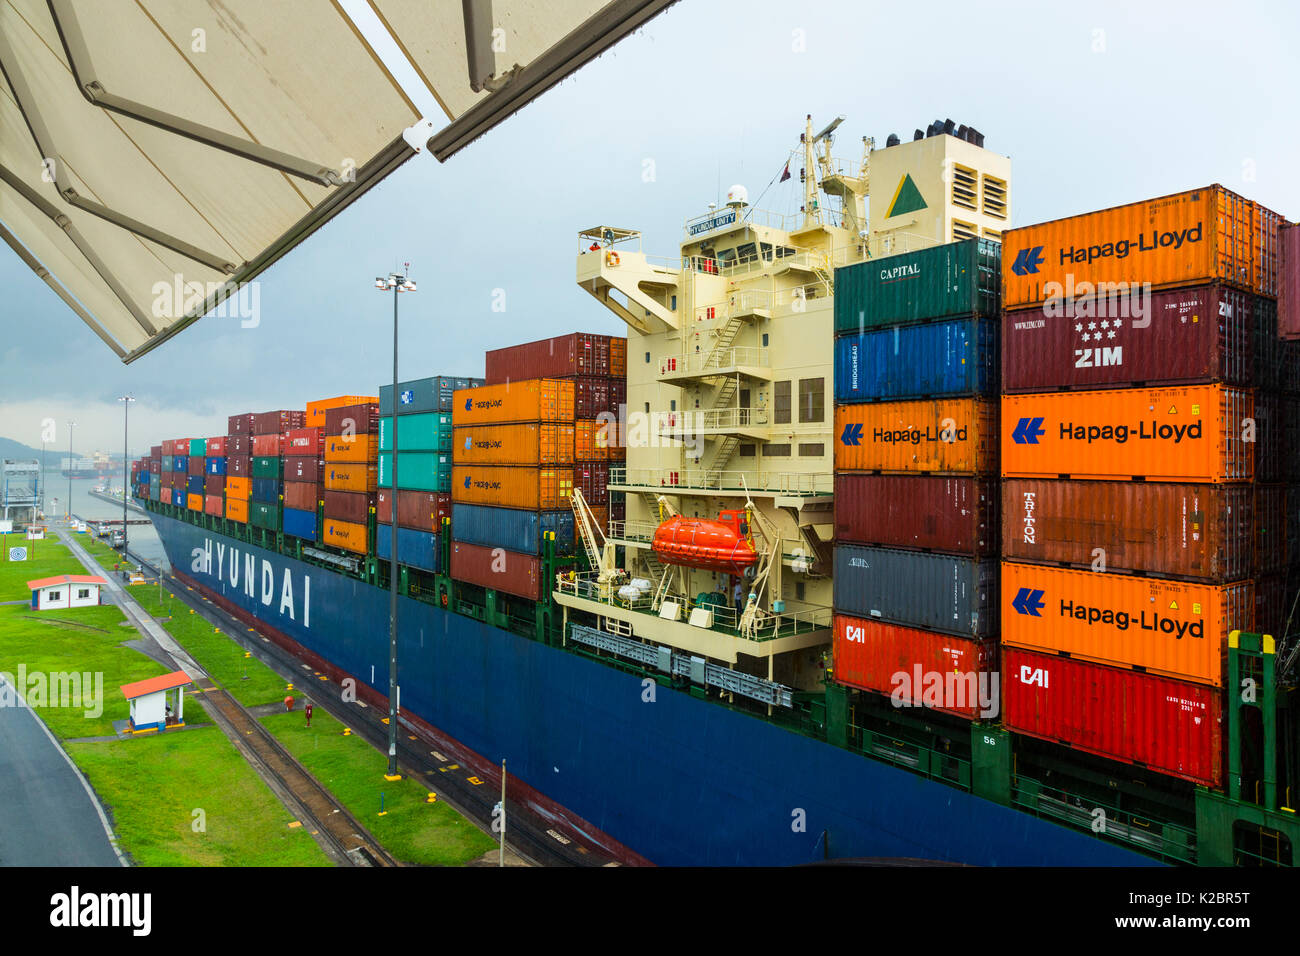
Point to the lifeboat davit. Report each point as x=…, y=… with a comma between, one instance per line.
x=721, y=545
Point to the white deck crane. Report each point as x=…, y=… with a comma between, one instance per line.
x=600, y=550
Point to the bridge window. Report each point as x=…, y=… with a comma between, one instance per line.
x=781, y=403
x=776, y=451
x=747, y=451
x=812, y=399
x=811, y=449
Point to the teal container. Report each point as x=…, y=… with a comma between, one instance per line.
x=418, y=470
x=266, y=466
x=198, y=447
x=430, y=431
x=957, y=278
x=262, y=514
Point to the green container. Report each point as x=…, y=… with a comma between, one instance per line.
x=428, y=432
x=957, y=278
x=420, y=470
x=261, y=514
x=266, y=466
x=198, y=447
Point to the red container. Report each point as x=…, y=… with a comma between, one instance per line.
x=1176, y=530
x=1165, y=725
x=353, y=506
x=1270, y=529
x=277, y=423
x=304, y=469
x=267, y=446
x=1288, y=296
x=617, y=394
x=590, y=397
x=1184, y=336
x=155, y=466
x=357, y=419
x=155, y=451
x=592, y=477
x=213, y=505
x=239, y=445
x=217, y=447
x=957, y=514
x=241, y=465
x=565, y=356
x=214, y=484
x=304, y=442
x=197, y=465
x=303, y=495
x=421, y=510
x=617, y=357
x=241, y=424
x=501, y=570
x=918, y=668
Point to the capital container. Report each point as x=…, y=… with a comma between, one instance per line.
x=212, y=505
x=421, y=510
x=952, y=513
x=215, y=447
x=1175, y=628
x=345, y=476
x=1288, y=287
x=1168, y=726
x=564, y=356
x=239, y=445
x=938, y=592
x=239, y=465
x=427, y=431
x=956, y=278
x=917, y=668
x=416, y=470
x=345, y=535
x=353, y=506
x=512, y=486
x=591, y=440
x=1187, y=530
x=300, y=523
x=420, y=549
x=214, y=466
x=507, y=571
x=315, y=416
x=194, y=484
x=301, y=495
x=214, y=484
x=592, y=478
x=303, y=469
x=358, y=448
x=265, y=489
x=304, y=442
x=1182, y=433
x=241, y=424
x=533, y=400
x=237, y=509
x=277, y=423
x=522, y=443
x=1202, y=334
x=238, y=487
x=362, y=419
x=264, y=514
x=954, y=357
x=952, y=435
x=266, y=467
x=424, y=394
x=511, y=528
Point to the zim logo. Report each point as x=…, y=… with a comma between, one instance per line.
x=408, y=397
x=1034, y=675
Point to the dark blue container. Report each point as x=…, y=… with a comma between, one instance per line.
x=511, y=528
x=416, y=548
x=958, y=357
x=180, y=463
x=300, y=524
x=178, y=498
x=194, y=484
x=423, y=395
x=266, y=489
x=214, y=466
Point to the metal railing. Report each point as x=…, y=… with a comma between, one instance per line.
x=693, y=421
x=785, y=483
x=703, y=361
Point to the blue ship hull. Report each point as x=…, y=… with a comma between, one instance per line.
x=678, y=780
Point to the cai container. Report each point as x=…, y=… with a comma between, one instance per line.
x=952, y=435
x=1190, y=530
x=511, y=486
x=417, y=470
x=421, y=510
x=952, y=513
x=350, y=448
x=417, y=548
x=1202, y=334
x=352, y=506
x=511, y=528
x=300, y=523
x=564, y=356
x=342, y=476
x=1177, y=629
x=1165, y=725
x=1178, y=433
x=500, y=570
x=426, y=431
x=522, y=443
x=916, y=668
x=956, y=278
x=344, y=534
x=424, y=394
x=301, y=495
x=955, y=357
x=534, y=400
x=937, y=592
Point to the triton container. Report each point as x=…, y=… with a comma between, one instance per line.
x=421, y=510
x=1190, y=433
x=928, y=512
x=956, y=435
x=500, y=570
x=956, y=595
x=958, y=357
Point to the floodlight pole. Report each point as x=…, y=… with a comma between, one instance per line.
x=126, y=401
x=68, y=507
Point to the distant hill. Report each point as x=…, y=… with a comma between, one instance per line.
x=13, y=449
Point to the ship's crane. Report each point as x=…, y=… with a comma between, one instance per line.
x=600, y=550
x=769, y=554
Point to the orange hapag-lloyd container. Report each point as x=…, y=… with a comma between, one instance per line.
x=1192, y=433
x=1174, y=628
x=194, y=502
x=521, y=443
x=512, y=486
x=238, y=487
x=237, y=508
x=1202, y=235
x=532, y=400
x=955, y=435
x=357, y=448
x=316, y=410
x=351, y=476
x=344, y=534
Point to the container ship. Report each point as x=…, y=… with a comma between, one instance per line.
x=887, y=532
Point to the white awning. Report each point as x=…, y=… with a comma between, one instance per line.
x=156, y=155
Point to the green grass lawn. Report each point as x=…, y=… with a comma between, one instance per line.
x=154, y=784
x=431, y=834
x=44, y=559
x=99, y=550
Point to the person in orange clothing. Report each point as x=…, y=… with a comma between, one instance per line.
x=288, y=702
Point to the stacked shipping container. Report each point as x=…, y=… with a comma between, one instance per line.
x=351, y=443
x=916, y=501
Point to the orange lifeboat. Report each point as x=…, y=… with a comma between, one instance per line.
x=721, y=545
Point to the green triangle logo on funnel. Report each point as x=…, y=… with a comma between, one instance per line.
x=907, y=198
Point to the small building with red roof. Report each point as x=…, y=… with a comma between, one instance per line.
x=149, y=707
x=65, y=591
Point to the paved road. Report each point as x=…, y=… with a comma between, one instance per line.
x=47, y=816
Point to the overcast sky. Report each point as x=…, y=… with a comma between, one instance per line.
x=1096, y=105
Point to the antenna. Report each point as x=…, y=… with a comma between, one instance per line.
x=830, y=128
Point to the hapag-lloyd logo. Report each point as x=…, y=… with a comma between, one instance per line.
x=258, y=577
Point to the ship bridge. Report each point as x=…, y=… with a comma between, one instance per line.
x=641, y=290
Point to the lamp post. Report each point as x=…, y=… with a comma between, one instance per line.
x=398, y=283
x=41, y=487
x=126, y=401
x=68, y=506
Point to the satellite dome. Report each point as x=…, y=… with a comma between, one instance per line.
x=737, y=195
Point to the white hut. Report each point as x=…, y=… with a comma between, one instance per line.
x=65, y=591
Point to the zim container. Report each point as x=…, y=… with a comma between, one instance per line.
x=342, y=476
x=533, y=400
x=300, y=523
x=355, y=448
x=523, y=443
x=952, y=513
x=1202, y=235
x=511, y=528
x=511, y=486
x=500, y=570
x=564, y=356
x=956, y=278
x=1203, y=334
x=957, y=357
x=937, y=592
x=955, y=435
x=427, y=431
x=237, y=509
x=421, y=510
x=1179, y=530
x=1187, y=433
x=350, y=506
x=1175, y=628
x=423, y=395
x=419, y=549
x=344, y=534
x=417, y=470
x=917, y=668
x=1165, y=725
